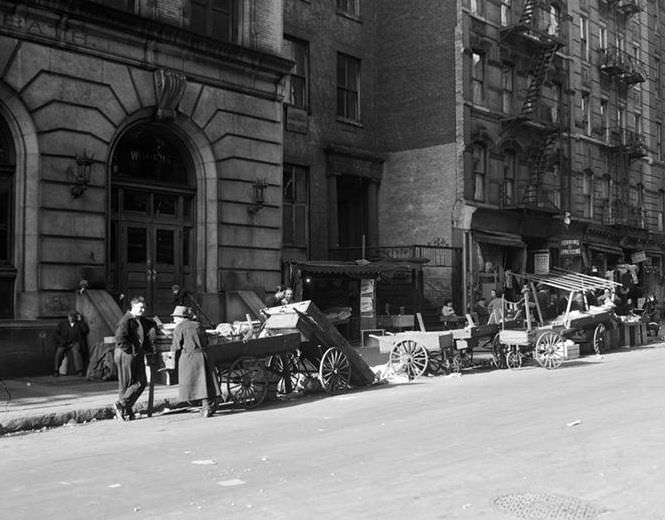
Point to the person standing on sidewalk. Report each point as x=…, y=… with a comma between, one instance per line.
x=70, y=336
x=195, y=378
x=134, y=337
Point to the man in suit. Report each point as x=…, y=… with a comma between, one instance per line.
x=134, y=337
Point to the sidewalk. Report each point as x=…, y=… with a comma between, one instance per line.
x=32, y=403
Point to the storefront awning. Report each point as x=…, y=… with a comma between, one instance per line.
x=498, y=238
x=354, y=269
x=605, y=248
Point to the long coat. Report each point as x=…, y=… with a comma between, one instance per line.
x=195, y=377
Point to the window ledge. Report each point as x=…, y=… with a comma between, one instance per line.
x=348, y=16
x=351, y=122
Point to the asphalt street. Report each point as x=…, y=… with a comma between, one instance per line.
x=584, y=441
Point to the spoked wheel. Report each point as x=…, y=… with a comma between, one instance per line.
x=285, y=367
x=410, y=357
x=514, y=357
x=246, y=382
x=600, y=338
x=498, y=352
x=334, y=371
x=549, y=350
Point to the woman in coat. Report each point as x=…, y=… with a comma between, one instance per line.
x=195, y=378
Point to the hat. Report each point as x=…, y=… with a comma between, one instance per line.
x=181, y=311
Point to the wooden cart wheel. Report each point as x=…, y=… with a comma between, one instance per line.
x=600, y=338
x=549, y=350
x=499, y=352
x=408, y=356
x=285, y=367
x=513, y=357
x=246, y=382
x=436, y=363
x=334, y=371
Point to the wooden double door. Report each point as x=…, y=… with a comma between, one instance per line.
x=152, y=246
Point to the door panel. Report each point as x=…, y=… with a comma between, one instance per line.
x=165, y=269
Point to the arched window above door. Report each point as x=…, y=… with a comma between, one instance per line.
x=148, y=153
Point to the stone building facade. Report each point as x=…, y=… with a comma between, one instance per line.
x=141, y=148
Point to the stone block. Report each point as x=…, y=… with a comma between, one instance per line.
x=118, y=79
x=27, y=63
x=246, y=147
x=145, y=86
x=244, y=236
x=235, y=258
x=89, y=120
x=72, y=250
x=67, y=142
x=189, y=98
x=223, y=123
x=74, y=224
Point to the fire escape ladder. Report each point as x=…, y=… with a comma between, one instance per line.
x=535, y=86
x=539, y=161
x=526, y=18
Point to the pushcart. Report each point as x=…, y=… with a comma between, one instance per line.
x=413, y=352
x=547, y=342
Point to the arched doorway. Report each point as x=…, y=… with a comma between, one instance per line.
x=7, y=267
x=152, y=216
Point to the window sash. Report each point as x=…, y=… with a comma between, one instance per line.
x=214, y=18
x=297, y=87
x=295, y=206
x=348, y=87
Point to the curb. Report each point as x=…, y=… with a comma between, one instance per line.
x=53, y=420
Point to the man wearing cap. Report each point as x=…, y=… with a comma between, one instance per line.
x=134, y=338
x=195, y=377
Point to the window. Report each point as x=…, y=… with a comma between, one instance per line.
x=621, y=119
x=214, y=18
x=552, y=21
x=477, y=78
x=295, y=206
x=637, y=123
x=586, y=113
x=587, y=193
x=479, y=168
x=661, y=210
x=348, y=87
x=584, y=38
x=657, y=79
x=507, y=93
x=602, y=38
x=349, y=7
x=477, y=7
x=509, y=173
x=506, y=15
x=604, y=120
x=659, y=141
x=621, y=41
x=297, y=93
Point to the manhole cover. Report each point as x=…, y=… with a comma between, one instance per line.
x=546, y=507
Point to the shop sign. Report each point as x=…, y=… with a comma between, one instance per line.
x=639, y=256
x=367, y=298
x=541, y=262
x=570, y=248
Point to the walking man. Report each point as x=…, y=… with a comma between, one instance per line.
x=134, y=337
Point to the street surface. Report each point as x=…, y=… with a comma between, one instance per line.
x=588, y=437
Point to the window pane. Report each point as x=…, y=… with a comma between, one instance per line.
x=165, y=204
x=301, y=185
x=136, y=201
x=288, y=224
x=165, y=253
x=114, y=242
x=5, y=220
x=185, y=246
x=6, y=297
x=137, y=242
x=289, y=186
x=300, y=225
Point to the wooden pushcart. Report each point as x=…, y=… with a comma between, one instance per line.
x=546, y=342
x=412, y=352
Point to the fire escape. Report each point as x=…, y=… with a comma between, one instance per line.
x=533, y=42
x=623, y=145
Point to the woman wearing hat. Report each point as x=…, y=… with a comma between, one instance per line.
x=195, y=378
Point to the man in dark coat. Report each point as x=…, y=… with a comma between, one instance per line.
x=195, y=378
x=134, y=337
x=70, y=336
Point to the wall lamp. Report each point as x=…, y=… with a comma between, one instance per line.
x=81, y=176
x=258, y=196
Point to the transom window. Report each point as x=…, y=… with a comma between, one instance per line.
x=348, y=87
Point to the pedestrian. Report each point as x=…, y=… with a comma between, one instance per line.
x=196, y=381
x=495, y=308
x=480, y=310
x=288, y=296
x=70, y=336
x=134, y=338
x=180, y=295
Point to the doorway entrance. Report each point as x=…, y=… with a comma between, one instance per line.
x=152, y=217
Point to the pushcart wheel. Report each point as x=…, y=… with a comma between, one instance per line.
x=498, y=352
x=285, y=367
x=549, y=350
x=246, y=382
x=334, y=371
x=600, y=338
x=514, y=357
x=436, y=364
x=409, y=357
